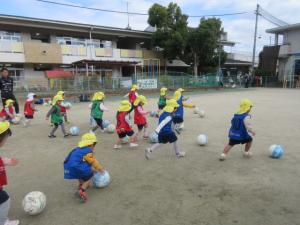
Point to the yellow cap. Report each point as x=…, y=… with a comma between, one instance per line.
x=177, y=95
x=163, y=91
x=134, y=87
x=4, y=126
x=60, y=93
x=245, y=105
x=170, y=105
x=140, y=99
x=180, y=89
x=124, y=106
x=8, y=102
x=57, y=98
x=87, y=139
x=98, y=96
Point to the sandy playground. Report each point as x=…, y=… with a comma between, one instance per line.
x=195, y=190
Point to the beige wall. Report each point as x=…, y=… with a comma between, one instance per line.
x=34, y=78
x=148, y=54
x=36, y=52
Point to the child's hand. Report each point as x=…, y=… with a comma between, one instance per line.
x=13, y=161
x=253, y=133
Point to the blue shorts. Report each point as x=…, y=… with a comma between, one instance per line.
x=165, y=138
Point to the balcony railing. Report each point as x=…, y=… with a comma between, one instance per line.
x=11, y=47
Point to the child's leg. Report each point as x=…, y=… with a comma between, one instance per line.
x=118, y=144
x=154, y=147
x=65, y=117
x=4, y=208
x=248, y=146
x=177, y=150
x=132, y=139
x=82, y=190
x=146, y=135
x=53, y=130
x=99, y=124
x=138, y=134
x=62, y=125
x=225, y=152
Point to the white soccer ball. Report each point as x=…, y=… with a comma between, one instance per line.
x=16, y=120
x=181, y=126
x=111, y=128
x=153, y=138
x=74, y=131
x=202, y=139
x=101, y=180
x=125, y=140
x=34, y=203
x=196, y=110
x=68, y=105
x=201, y=113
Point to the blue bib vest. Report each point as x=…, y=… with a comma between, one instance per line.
x=168, y=127
x=179, y=111
x=74, y=165
x=238, y=129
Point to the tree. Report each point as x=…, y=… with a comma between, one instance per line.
x=172, y=30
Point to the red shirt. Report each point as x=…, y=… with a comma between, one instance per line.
x=122, y=124
x=132, y=96
x=28, y=111
x=62, y=109
x=3, y=178
x=139, y=118
x=4, y=114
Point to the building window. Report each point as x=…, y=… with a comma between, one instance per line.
x=71, y=41
x=10, y=36
x=297, y=67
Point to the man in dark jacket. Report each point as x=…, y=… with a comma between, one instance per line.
x=7, y=89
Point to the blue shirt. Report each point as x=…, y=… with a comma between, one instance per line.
x=238, y=130
x=179, y=112
x=165, y=123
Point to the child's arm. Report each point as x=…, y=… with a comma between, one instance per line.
x=248, y=125
x=126, y=96
x=163, y=123
x=8, y=113
x=141, y=111
x=188, y=105
x=32, y=106
x=127, y=119
x=52, y=110
x=9, y=161
x=103, y=107
x=93, y=161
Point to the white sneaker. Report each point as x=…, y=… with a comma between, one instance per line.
x=247, y=154
x=222, y=157
x=117, y=146
x=147, y=153
x=132, y=145
x=180, y=154
x=11, y=222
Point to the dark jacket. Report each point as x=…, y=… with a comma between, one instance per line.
x=6, y=86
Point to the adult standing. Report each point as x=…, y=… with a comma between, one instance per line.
x=7, y=89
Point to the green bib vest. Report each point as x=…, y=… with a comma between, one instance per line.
x=96, y=112
x=56, y=116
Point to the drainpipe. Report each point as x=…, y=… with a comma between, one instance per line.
x=91, y=47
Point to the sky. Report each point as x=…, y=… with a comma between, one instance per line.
x=240, y=28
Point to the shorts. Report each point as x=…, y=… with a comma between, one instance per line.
x=28, y=117
x=99, y=122
x=140, y=127
x=86, y=178
x=124, y=134
x=233, y=142
x=57, y=124
x=167, y=138
x=177, y=120
x=161, y=107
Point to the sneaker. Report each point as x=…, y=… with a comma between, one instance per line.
x=147, y=153
x=132, y=145
x=11, y=222
x=117, y=146
x=222, y=157
x=82, y=195
x=180, y=154
x=247, y=154
x=66, y=135
x=51, y=136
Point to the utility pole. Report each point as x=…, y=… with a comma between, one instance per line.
x=128, y=26
x=255, y=34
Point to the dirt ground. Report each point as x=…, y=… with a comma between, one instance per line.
x=197, y=189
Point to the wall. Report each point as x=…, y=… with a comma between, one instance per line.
x=33, y=78
x=293, y=37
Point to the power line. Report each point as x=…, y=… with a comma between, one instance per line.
x=132, y=13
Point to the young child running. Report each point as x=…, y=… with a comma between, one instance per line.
x=81, y=164
x=8, y=112
x=97, y=110
x=63, y=108
x=240, y=131
x=140, y=117
x=162, y=99
x=123, y=127
x=165, y=130
x=178, y=115
x=132, y=95
x=56, y=117
x=29, y=108
x=5, y=132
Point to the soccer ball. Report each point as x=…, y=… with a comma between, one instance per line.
x=16, y=120
x=105, y=123
x=276, y=151
x=101, y=180
x=68, y=105
x=202, y=139
x=196, y=110
x=179, y=126
x=34, y=203
x=153, y=138
x=201, y=113
x=93, y=122
x=153, y=114
x=111, y=128
x=125, y=140
x=74, y=131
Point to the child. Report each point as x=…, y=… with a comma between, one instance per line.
x=5, y=132
x=162, y=99
x=140, y=117
x=63, y=108
x=165, y=131
x=132, y=95
x=29, y=108
x=240, y=129
x=97, y=110
x=178, y=115
x=7, y=112
x=56, y=117
x=123, y=127
x=81, y=164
